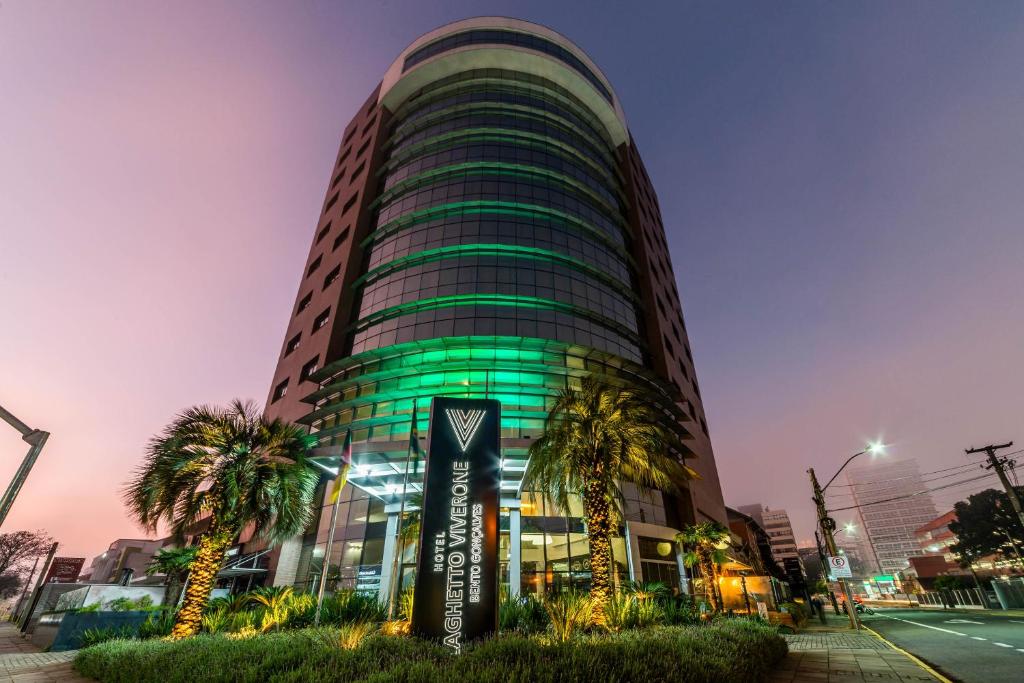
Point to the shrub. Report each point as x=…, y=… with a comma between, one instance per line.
x=682, y=612
x=158, y=625
x=732, y=650
x=569, y=613
x=215, y=621
x=619, y=612
x=351, y=635
x=799, y=612
x=95, y=636
x=525, y=614
x=396, y=627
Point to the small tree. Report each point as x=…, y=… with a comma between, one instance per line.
x=174, y=564
x=597, y=436
x=19, y=548
x=223, y=468
x=705, y=545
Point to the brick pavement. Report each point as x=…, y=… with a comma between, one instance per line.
x=22, y=662
x=835, y=654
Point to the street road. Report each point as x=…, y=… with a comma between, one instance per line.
x=974, y=647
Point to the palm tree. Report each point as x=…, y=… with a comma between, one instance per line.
x=705, y=545
x=174, y=564
x=598, y=435
x=225, y=468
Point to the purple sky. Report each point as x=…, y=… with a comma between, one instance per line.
x=842, y=186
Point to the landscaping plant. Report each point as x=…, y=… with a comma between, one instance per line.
x=597, y=436
x=705, y=545
x=222, y=469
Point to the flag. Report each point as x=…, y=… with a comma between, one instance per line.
x=343, y=467
x=414, y=443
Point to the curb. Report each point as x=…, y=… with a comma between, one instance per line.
x=912, y=658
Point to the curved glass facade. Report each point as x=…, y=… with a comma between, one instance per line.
x=497, y=266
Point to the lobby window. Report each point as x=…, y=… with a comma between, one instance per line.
x=314, y=265
x=323, y=233
x=292, y=344
x=321, y=319
x=304, y=303
x=340, y=239
x=332, y=276
x=279, y=391
x=309, y=368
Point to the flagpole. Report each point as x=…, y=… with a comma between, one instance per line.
x=330, y=539
x=396, y=580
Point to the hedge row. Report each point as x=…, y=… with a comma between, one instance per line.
x=729, y=650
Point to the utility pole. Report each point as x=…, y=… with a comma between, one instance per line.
x=997, y=464
x=828, y=525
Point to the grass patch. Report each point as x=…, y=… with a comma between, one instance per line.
x=733, y=650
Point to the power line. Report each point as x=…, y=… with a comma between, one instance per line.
x=909, y=476
x=912, y=495
x=923, y=481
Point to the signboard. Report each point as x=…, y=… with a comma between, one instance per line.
x=762, y=610
x=456, y=593
x=839, y=567
x=64, y=570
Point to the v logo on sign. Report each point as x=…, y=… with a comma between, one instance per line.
x=464, y=423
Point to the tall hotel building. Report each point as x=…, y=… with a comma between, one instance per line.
x=488, y=230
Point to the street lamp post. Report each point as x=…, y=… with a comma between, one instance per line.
x=828, y=525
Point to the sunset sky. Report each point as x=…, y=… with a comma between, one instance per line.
x=842, y=187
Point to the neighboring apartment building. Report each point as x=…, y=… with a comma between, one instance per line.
x=133, y=554
x=935, y=537
x=892, y=508
x=776, y=524
x=488, y=230
x=783, y=542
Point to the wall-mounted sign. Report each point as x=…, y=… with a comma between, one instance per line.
x=839, y=567
x=64, y=570
x=456, y=593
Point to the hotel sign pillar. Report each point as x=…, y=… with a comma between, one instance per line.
x=456, y=593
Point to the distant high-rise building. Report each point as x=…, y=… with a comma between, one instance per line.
x=891, y=507
x=776, y=524
x=488, y=230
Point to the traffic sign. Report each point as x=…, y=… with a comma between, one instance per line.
x=839, y=567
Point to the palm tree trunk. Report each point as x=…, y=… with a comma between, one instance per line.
x=707, y=568
x=598, y=514
x=208, y=560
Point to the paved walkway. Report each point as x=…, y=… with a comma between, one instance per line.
x=22, y=662
x=834, y=653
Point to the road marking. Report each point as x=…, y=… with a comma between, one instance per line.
x=1016, y=622
x=934, y=628
x=964, y=621
x=1002, y=644
x=1020, y=649
x=978, y=638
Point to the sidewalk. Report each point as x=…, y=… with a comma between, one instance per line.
x=834, y=653
x=22, y=662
